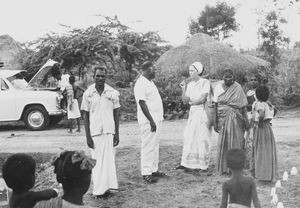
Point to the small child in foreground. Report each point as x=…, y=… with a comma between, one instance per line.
x=19, y=174
x=240, y=189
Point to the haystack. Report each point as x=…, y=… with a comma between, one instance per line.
x=11, y=53
x=214, y=55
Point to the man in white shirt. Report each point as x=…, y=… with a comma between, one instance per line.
x=150, y=116
x=100, y=104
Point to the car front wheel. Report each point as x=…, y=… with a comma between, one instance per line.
x=36, y=118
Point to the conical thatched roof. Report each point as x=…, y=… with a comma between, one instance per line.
x=214, y=55
x=10, y=53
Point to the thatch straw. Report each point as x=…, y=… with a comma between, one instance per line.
x=214, y=55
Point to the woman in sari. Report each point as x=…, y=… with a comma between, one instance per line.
x=196, y=148
x=231, y=117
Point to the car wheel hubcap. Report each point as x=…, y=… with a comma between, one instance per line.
x=36, y=119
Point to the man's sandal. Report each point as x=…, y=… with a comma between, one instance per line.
x=149, y=179
x=158, y=174
x=179, y=167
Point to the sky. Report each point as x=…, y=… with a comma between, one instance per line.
x=26, y=20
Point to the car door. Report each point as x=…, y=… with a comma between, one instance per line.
x=7, y=104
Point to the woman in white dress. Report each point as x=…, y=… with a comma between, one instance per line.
x=196, y=147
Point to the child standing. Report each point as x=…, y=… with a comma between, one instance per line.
x=19, y=175
x=241, y=189
x=73, y=170
x=264, y=146
x=73, y=111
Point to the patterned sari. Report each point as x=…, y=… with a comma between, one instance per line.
x=231, y=122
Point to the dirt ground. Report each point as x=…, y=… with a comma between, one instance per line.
x=180, y=189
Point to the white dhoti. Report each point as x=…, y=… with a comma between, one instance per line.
x=149, y=148
x=197, y=144
x=104, y=175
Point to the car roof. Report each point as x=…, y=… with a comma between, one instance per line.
x=5, y=73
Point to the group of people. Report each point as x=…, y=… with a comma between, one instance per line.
x=101, y=107
x=243, y=123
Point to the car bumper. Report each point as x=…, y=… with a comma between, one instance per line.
x=57, y=113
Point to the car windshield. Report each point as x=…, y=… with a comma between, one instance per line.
x=18, y=82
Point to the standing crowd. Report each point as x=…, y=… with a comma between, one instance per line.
x=243, y=122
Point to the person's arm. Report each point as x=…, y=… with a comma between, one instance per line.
x=200, y=100
x=261, y=114
x=116, y=119
x=146, y=112
x=254, y=196
x=216, y=119
x=185, y=99
x=244, y=112
x=44, y=194
x=89, y=140
x=224, y=197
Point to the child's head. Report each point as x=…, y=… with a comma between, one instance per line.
x=72, y=79
x=262, y=93
x=235, y=159
x=19, y=172
x=73, y=170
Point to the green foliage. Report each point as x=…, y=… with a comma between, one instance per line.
x=273, y=38
x=285, y=85
x=138, y=47
x=101, y=44
x=170, y=91
x=218, y=21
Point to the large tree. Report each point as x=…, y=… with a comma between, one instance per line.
x=110, y=43
x=273, y=37
x=217, y=21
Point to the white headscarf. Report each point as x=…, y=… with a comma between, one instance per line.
x=198, y=66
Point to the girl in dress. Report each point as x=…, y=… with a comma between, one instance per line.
x=264, y=146
x=73, y=111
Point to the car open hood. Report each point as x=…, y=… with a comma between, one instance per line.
x=5, y=73
x=40, y=75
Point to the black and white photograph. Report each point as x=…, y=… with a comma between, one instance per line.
x=149, y=104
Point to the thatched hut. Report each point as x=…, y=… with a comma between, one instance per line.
x=11, y=52
x=214, y=55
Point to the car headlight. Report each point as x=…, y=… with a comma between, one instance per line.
x=58, y=99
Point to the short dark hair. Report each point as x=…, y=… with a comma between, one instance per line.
x=262, y=93
x=235, y=159
x=72, y=79
x=257, y=77
x=19, y=172
x=55, y=71
x=228, y=71
x=101, y=68
x=68, y=173
x=146, y=65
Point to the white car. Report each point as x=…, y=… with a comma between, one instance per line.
x=20, y=101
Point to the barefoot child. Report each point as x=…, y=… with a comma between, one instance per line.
x=19, y=175
x=73, y=108
x=240, y=190
x=73, y=170
x=264, y=145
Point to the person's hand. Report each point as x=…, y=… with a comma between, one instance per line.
x=71, y=106
x=183, y=85
x=216, y=128
x=153, y=126
x=90, y=142
x=116, y=140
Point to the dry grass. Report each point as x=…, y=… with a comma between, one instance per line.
x=214, y=55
